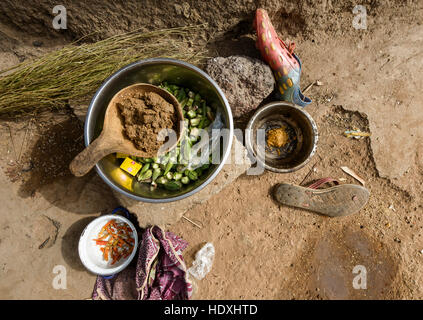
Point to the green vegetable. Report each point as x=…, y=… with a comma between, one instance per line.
x=199, y=172
x=195, y=132
x=164, y=159
x=185, y=180
x=195, y=122
x=161, y=180
x=156, y=174
x=169, y=176
x=192, y=175
x=177, y=176
x=183, y=103
x=190, y=102
x=168, y=167
x=144, y=169
x=207, y=122
x=187, y=149
x=191, y=114
x=181, y=95
x=146, y=175
x=173, y=185
x=205, y=166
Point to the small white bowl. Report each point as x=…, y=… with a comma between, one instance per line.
x=90, y=254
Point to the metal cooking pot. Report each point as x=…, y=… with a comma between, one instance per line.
x=295, y=154
x=155, y=71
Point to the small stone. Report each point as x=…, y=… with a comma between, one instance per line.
x=186, y=9
x=397, y=240
x=80, y=111
x=178, y=8
x=28, y=166
x=245, y=81
x=37, y=43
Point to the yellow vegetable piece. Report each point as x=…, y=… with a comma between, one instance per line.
x=122, y=178
x=131, y=166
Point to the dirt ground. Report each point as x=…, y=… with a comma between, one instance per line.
x=372, y=80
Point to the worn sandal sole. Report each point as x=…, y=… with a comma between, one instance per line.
x=337, y=201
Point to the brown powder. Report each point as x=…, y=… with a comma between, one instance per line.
x=277, y=137
x=144, y=116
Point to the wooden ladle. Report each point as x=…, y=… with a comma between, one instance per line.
x=113, y=139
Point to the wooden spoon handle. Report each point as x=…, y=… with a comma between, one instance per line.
x=92, y=154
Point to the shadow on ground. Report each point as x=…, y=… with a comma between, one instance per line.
x=70, y=243
x=49, y=173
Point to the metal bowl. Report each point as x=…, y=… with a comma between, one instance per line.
x=155, y=71
x=298, y=124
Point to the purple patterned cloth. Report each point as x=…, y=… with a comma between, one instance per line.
x=158, y=274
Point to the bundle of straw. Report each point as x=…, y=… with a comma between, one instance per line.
x=76, y=71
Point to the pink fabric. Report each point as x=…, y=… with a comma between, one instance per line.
x=159, y=273
x=321, y=182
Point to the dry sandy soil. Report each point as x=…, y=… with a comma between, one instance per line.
x=372, y=80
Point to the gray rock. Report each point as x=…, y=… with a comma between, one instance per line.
x=245, y=81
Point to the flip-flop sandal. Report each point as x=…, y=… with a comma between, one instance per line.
x=285, y=64
x=337, y=201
